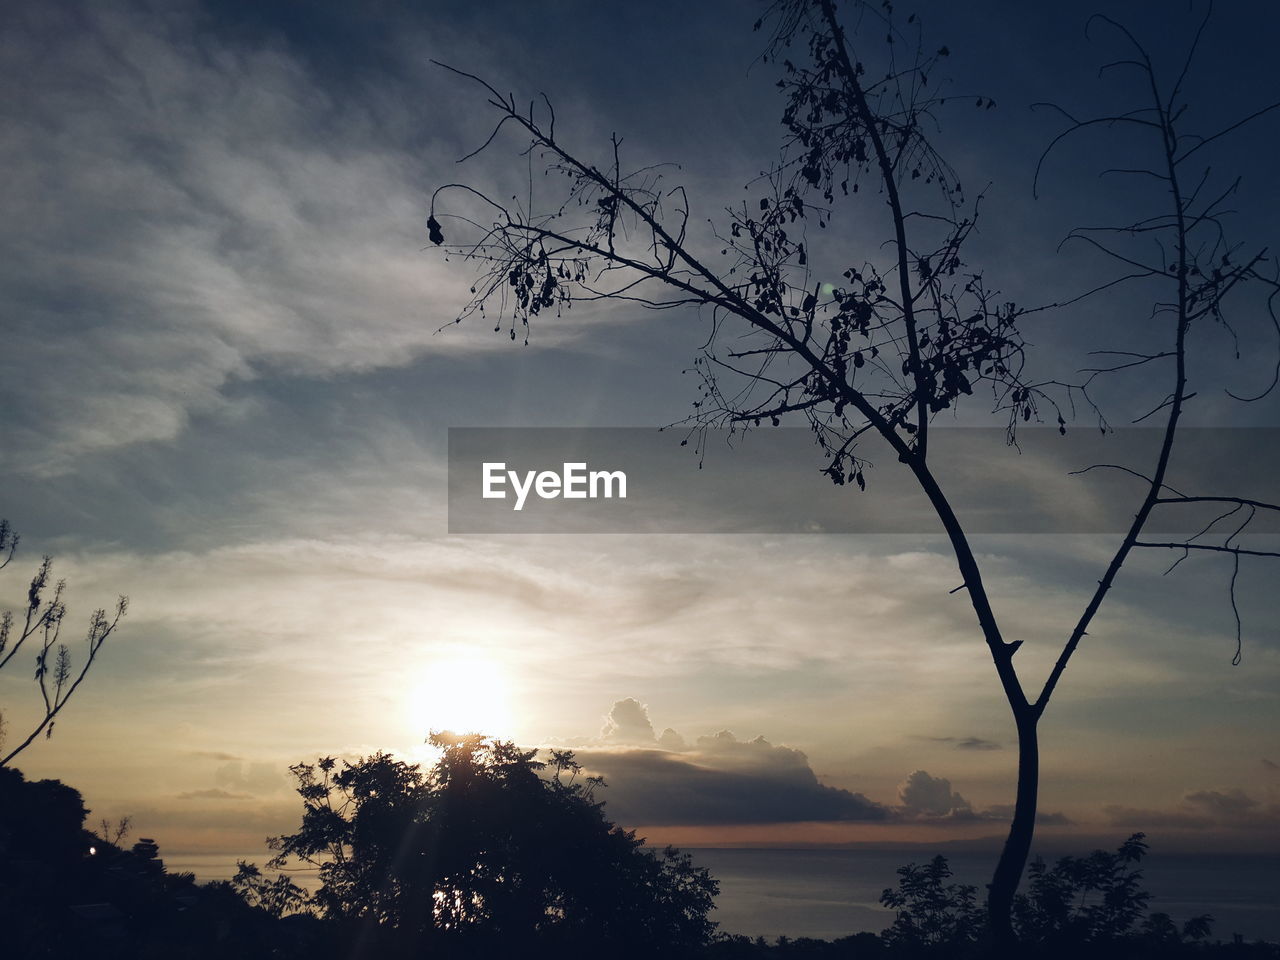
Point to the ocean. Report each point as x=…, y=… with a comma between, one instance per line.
x=833, y=893
x=829, y=893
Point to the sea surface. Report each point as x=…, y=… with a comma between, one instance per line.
x=833, y=893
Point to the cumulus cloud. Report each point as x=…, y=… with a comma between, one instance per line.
x=722, y=779
x=925, y=797
x=654, y=787
x=628, y=722
x=716, y=779
x=670, y=740
x=922, y=795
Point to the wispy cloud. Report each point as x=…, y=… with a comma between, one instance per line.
x=967, y=743
x=195, y=213
x=214, y=793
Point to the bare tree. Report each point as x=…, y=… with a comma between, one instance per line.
x=42, y=619
x=894, y=344
x=115, y=833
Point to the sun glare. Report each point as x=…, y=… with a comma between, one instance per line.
x=462, y=694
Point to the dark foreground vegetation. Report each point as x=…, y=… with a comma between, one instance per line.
x=492, y=853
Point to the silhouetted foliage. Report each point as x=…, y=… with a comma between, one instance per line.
x=41, y=820
x=66, y=893
x=860, y=946
x=1095, y=903
x=868, y=946
x=483, y=855
x=278, y=898
x=1097, y=899
x=55, y=676
x=932, y=914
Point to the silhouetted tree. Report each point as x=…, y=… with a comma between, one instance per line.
x=893, y=344
x=1096, y=899
x=1093, y=904
x=40, y=820
x=279, y=897
x=484, y=855
x=931, y=913
x=42, y=618
x=66, y=893
x=115, y=833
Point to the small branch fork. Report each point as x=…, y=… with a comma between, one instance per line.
x=1203, y=273
x=42, y=619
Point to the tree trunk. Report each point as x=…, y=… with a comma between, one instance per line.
x=1017, y=846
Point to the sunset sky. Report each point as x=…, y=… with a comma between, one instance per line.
x=224, y=395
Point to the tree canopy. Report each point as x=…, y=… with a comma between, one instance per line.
x=490, y=850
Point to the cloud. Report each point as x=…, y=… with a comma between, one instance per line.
x=215, y=827
x=722, y=779
x=214, y=793
x=254, y=777
x=238, y=779
x=927, y=798
x=204, y=211
x=921, y=795
x=968, y=743
x=976, y=743
x=654, y=787
x=1044, y=818
x=628, y=722
x=717, y=779
x=1147, y=818
x=1052, y=819
x=1222, y=805
x=216, y=755
x=670, y=740
x=1228, y=808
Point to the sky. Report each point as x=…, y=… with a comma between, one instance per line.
x=225, y=395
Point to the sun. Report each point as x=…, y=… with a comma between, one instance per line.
x=464, y=694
